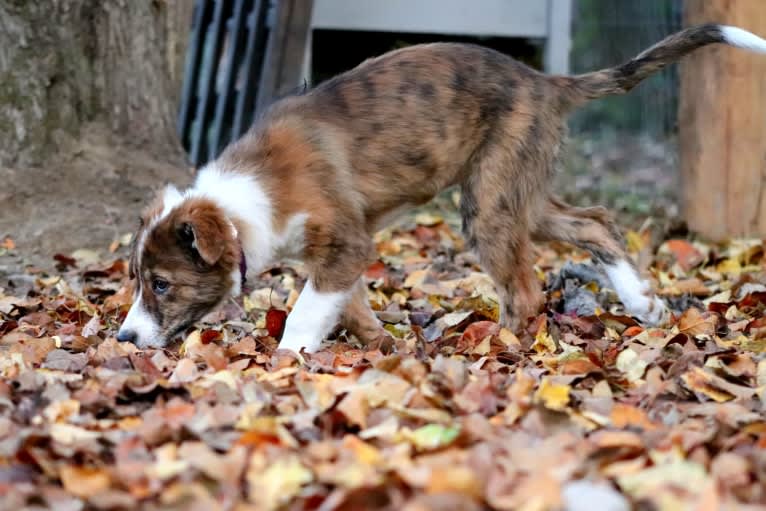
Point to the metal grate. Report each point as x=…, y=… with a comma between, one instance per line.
x=242, y=55
x=609, y=32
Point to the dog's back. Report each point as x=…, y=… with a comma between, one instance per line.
x=416, y=120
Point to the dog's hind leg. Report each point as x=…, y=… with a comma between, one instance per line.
x=502, y=241
x=592, y=229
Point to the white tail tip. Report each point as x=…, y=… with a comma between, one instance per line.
x=743, y=39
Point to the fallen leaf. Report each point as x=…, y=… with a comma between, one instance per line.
x=432, y=436
x=84, y=482
x=275, y=483
x=629, y=363
x=685, y=253
x=694, y=323
x=552, y=395
x=714, y=387
x=275, y=322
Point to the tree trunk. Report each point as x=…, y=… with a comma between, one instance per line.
x=722, y=120
x=69, y=64
x=89, y=92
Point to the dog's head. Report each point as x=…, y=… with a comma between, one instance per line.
x=185, y=262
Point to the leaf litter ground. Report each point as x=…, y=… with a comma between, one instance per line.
x=584, y=409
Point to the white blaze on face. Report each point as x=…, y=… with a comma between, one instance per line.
x=138, y=320
x=143, y=325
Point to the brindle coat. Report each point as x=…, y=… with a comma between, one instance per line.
x=396, y=130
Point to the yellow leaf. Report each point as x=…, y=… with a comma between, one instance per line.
x=722, y=297
x=317, y=391
x=481, y=304
x=761, y=372
x=483, y=347
x=428, y=219
x=544, y=343
x=416, y=278
x=385, y=430
x=553, y=396
x=681, y=474
x=694, y=323
x=714, y=387
x=248, y=304
x=629, y=363
x=192, y=340
x=424, y=414
x=731, y=266
x=432, y=436
x=634, y=241
x=224, y=376
x=455, y=479
x=61, y=410
x=84, y=482
x=274, y=484
x=509, y=338
x=69, y=434
x=364, y=452
x=167, y=465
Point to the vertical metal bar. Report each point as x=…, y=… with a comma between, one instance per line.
x=273, y=59
x=286, y=51
x=200, y=21
x=251, y=68
x=222, y=119
x=212, y=43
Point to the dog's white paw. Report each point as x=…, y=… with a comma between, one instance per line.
x=296, y=342
x=636, y=295
x=655, y=313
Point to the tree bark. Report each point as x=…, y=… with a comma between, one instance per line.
x=722, y=118
x=70, y=64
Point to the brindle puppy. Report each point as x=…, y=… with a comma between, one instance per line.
x=319, y=173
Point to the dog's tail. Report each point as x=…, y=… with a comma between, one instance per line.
x=621, y=79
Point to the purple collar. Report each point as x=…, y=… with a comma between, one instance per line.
x=242, y=266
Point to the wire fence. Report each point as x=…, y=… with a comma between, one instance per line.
x=608, y=32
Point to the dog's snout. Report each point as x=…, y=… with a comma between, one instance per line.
x=126, y=336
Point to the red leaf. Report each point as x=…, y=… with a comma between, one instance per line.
x=426, y=235
x=144, y=364
x=632, y=331
x=475, y=333
x=687, y=256
x=65, y=261
x=376, y=270
x=275, y=322
x=208, y=336
x=752, y=299
x=7, y=326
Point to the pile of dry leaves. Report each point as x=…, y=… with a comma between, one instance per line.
x=583, y=410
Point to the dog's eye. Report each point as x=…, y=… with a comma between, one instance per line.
x=160, y=286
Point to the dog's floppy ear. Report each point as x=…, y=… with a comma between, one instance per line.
x=204, y=229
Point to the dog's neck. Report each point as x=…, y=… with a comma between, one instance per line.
x=248, y=207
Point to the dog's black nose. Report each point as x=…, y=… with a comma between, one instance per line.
x=126, y=336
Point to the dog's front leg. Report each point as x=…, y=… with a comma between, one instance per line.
x=335, y=261
x=313, y=317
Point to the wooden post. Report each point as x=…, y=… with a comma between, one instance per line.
x=722, y=119
x=559, y=41
x=285, y=53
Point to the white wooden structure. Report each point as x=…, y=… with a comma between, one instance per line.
x=548, y=20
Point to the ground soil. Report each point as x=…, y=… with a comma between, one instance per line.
x=88, y=199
